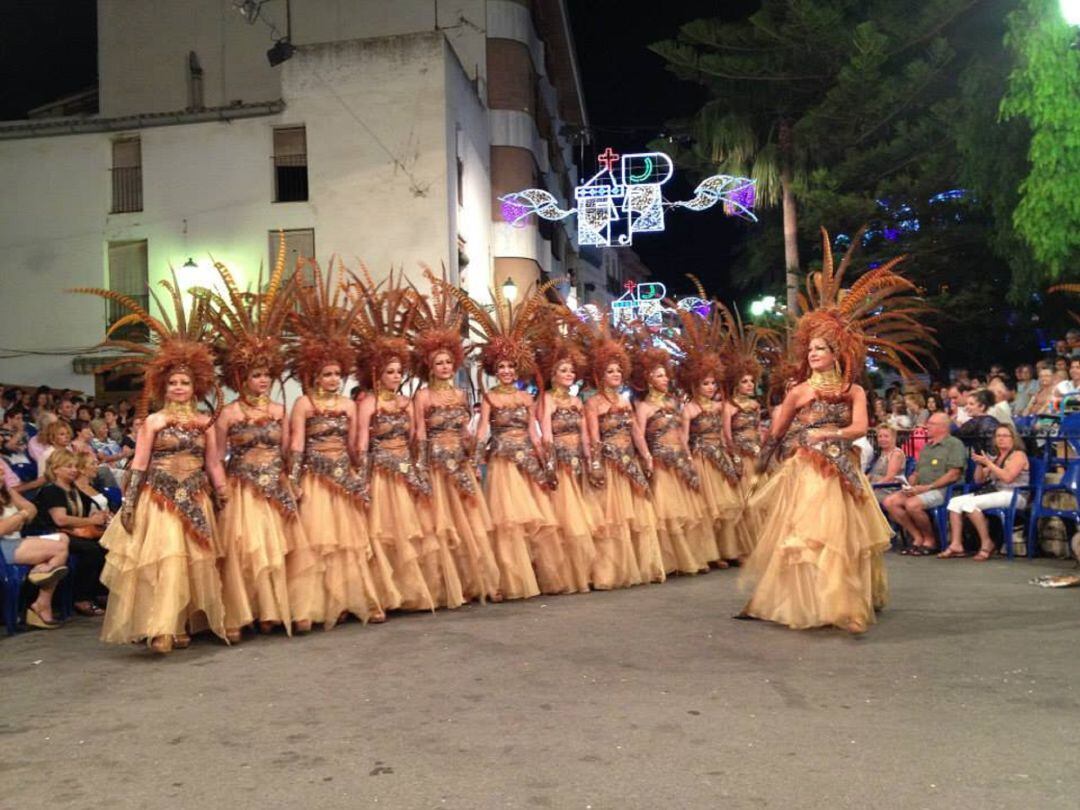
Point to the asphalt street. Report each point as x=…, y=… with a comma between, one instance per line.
x=964, y=695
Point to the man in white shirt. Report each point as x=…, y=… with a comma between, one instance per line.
x=1070, y=386
x=1001, y=410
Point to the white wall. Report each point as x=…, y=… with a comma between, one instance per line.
x=381, y=178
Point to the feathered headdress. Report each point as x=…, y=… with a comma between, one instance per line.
x=879, y=316
x=321, y=325
x=249, y=326
x=603, y=345
x=504, y=332
x=177, y=344
x=699, y=340
x=746, y=349
x=556, y=337
x=384, y=317
x=437, y=326
x=645, y=357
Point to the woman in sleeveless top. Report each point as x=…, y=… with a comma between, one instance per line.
x=996, y=478
x=627, y=549
x=742, y=431
x=333, y=493
x=385, y=421
x=162, y=563
x=566, y=450
x=684, y=532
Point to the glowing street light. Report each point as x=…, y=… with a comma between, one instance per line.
x=509, y=290
x=1070, y=11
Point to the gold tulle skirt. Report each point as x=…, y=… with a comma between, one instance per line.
x=723, y=505
x=161, y=581
x=579, y=520
x=394, y=524
x=254, y=581
x=627, y=548
x=526, y=531
x=461, y=525
x=818, y=561
x=357, y=577
x=746, y=527
x=680, y=523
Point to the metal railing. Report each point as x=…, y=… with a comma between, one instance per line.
x=127, y=193
x=290, y=178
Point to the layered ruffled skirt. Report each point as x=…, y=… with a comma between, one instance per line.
x=461, y=524
x=394, y=525
x=357, y=577
x=680, y=523
x=819, y=558
x=579, y=520
x=723, y=504
x=627, y=548
x=161, y=581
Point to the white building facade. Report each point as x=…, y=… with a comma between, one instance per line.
x=385, y=139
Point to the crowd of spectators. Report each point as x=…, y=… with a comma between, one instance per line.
x=62, y=457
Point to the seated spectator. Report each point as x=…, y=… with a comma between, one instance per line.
x=889, y=463
x=1061, y=364
x=997, y=477
x=1026, y=386
x=47, y=554
x=40, y=407
x=933, y=405
x=880, y=414
x=106, y=448
x=112, y=423
x=1070, y=386
x=81, y=437
x=977, y=433
x=124, y=411
x=84, y=413
x=958, y=394
x=1002, y=392
x=898, y=416
x=915, y=405
x=1072, y=340
x=941, y=462
x=94, y=500
x=63, y=508
x=1042, y=401
x=9, y=399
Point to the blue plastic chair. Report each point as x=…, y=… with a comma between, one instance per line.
x=1070, y=483
x=1007, y=514
x=12, y=578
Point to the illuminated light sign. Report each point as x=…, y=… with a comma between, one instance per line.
x=625, y=198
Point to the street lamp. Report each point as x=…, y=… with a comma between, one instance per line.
x=762, y=305
x=190, y=264
x=509, y=290
x=1070, y=11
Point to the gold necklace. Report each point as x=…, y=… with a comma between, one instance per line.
x=321, y=397
x=261, y=402
x=705, y=403
x=826, y=380
x=612, y=393
x=560, y=393
x=656, y=397
x=502, y=388
x=180, y=409
x=386, y=395
x=440, y=385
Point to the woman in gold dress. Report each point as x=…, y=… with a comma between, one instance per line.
x=627, y=548
x=269, y=573
x=566, y=449
x=699, y=374
x=456, y=512
x=675, y=486
x=742, y=433
x=357, y=576
x=818, y=561
x=163, y=553
x=526, y=529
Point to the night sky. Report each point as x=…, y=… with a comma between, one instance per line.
x=48, y=49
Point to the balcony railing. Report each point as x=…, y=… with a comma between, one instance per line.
x=127, y=189
x=290, y=178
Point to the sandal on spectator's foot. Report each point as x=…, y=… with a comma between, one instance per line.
x=983, y=555
x=181, y=641
x=923, y=551
x=161, y=644
x=951, y=554
x=88, y=609
x=35, y=619
x=43, y=579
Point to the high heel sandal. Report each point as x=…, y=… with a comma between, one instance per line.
x=35, y=619
x=181, y=641
x=161, y=644
x=43, y=579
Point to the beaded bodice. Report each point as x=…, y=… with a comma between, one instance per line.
x=390, y=430
x=326, y=433
x=616, y=446
x=663, y=429
x=707, y=440
x=566, y=436
x=510, y=440
x=255, y=458
x=444, y=425
x=176, y=476
x=831, y=456
x=746, y=427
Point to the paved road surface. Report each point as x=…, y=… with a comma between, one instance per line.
x=964, y=696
